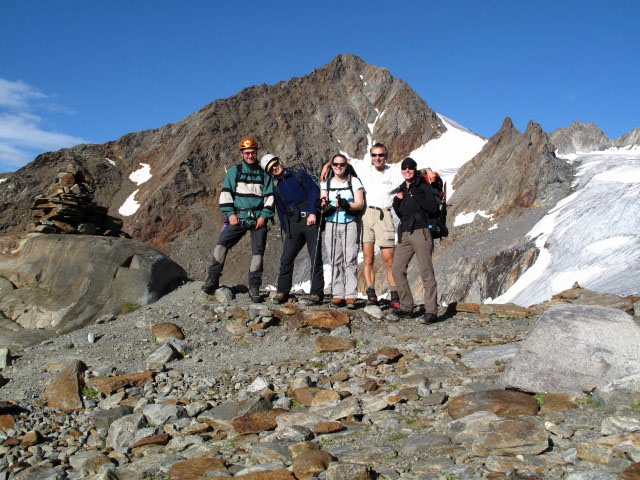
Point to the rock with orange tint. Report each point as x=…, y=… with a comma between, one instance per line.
x=257, y=422
x=329, y=343
x=328, y=427
x=164, y=331
x=504, y=403
x=161, y=439
x=304, y=396
x=63, y=393
x=195, y=468
x=327, y=319
x=6, y=422
x=310, y=464
x=325, y=397
x=384, y=355
x=108, y=385
x=463, y=307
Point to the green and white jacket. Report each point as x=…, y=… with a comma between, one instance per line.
x=247, y=191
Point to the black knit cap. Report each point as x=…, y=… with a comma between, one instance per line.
x=409, y=163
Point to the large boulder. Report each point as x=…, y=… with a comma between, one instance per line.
x=574, y=348
x=64, y=282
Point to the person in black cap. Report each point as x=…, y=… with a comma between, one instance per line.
x=416, y=206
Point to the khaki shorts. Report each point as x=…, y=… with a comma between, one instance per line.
x=374, y=230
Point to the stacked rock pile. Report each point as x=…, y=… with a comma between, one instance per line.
x=69, y=208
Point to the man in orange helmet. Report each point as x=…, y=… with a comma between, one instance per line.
x=247, y=201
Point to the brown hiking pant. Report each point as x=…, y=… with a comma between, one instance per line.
x=418, y=243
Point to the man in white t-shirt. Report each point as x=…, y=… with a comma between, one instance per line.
x=380, y=181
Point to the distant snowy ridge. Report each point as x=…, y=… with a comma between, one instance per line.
x=592, y=236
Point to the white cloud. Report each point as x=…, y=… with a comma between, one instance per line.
x=22, y=136
x=18, y=95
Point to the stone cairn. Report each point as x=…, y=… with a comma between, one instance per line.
x=69, y=208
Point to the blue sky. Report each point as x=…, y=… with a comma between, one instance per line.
x=78, y=71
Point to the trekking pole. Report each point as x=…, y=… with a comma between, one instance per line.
x=315, y=252
x=333, y=247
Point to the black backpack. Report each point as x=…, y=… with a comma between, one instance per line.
x=439, y=224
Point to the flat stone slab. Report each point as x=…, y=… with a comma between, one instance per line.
x=63, y=393
x=504, y=403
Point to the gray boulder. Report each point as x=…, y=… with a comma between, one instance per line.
x=64, y=282
x=622, y=391
x=122, y=432
x=575, y=348
x=158, y=414
x=487, y=357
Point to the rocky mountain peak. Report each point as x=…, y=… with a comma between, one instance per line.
x=344, y=106
x=579, y=137
x=513, y=170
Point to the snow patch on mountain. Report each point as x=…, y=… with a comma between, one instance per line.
x=592, y=236
x=141, y=175
x=464, y=218
x=130, y=206
x=449, y=152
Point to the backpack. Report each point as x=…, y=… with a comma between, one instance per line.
x=439, y=224
x=354, y=213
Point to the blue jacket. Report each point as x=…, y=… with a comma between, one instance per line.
x=294, y=191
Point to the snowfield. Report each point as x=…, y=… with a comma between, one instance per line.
x=592, y=236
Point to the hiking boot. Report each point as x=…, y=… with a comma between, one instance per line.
x=395, y=300
x=372, y=298
x=210, y=286
x=337, y=302
x=280, y=298
x=404, y=313
x=254, y=294
x=351, y=303
x=315, y=299
x=428, y=318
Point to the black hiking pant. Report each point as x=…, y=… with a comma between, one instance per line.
x=299, y=234
x=228, y=238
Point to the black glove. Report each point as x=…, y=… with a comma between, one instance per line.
x=343, y=204
x=319, y=205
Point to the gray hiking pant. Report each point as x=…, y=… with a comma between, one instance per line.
x=420, y=244
x=341, y=243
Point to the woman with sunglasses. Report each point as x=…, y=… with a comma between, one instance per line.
x=345, y=193
x=416, y=206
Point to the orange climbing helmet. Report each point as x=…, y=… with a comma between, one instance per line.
x=248, y=142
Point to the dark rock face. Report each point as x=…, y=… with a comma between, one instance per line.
x=579, y=137
x=304, y=120
x=63, y=282
x=513, y=170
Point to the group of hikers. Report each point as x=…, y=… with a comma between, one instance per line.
x=352, y=206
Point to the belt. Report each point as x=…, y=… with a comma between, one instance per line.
x=380, y=209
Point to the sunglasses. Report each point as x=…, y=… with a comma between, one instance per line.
x=378, y=155
x=341, y=165
x=409, y=168
x=272, y=166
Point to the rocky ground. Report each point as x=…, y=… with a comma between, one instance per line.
x=192, y=387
